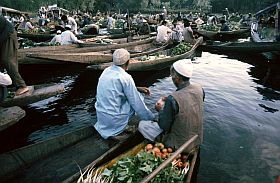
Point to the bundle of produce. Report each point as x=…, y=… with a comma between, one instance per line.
x=234, y=25
x=181, y=48
x=153, y=57
x=119, y=23
x=209, y=27
x=26, y=43
x=135, y=168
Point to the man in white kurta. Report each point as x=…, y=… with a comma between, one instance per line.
x=117, y=98
x=163, y=33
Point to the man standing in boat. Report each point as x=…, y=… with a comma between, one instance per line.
x=181, y=113
x=8, y=54
x=117, y=98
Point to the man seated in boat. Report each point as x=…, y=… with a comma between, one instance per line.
x=5, y=80
x=67, y=37
x=118, y=98
x=224, y=26
x=181, y=113
x=70, y=21
x=163, y=33
x=57, y=37
x=188, y=33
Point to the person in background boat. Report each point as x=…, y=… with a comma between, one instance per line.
x=67, y=37
x=8, y=54
x=224, y=26
x=5, y=80
x=57, y=37
x=188, y=33
x=163, y=33
x=181, y=113
x=28, y=25
x=70, y=21
x=110, y=22
x=144, y=28
x=199, y=21
x=212, y=20
x=118, y=98
x=177, y=31
x=164, y=13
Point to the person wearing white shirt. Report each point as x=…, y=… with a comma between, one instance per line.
x=70, y=21
x=5, y=80
x=110, y=22
x=57, y=37
x=163, y=33
x=67, y=37
x=117, y=98
x=28, y=25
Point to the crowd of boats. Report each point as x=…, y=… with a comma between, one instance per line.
x=100, y=35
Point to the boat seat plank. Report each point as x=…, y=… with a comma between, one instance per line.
x=10, y=116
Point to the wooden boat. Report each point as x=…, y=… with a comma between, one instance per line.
x=157, y=64
x=95, y=57
x=36, y=93
x=59, y=156
x=223, y=35
x=10, y=116
x=47, y=37
x=111, y=157
x=241, y=47
x=268, y=34
x=23, y=59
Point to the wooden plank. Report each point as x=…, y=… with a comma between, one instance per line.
x=40, y=93
x=10, y=116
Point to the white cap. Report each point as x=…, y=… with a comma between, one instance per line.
x=184, y=67
x=68, y=26
x=120, y=56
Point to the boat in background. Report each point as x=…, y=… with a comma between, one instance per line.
x=162, y=61
x=268, y=32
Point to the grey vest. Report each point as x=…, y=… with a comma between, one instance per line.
x=188, y=121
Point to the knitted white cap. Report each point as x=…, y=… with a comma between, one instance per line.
x=120, y=56
x=184, y=67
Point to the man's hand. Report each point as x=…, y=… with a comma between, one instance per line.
x=160, y=103
x=144, y=90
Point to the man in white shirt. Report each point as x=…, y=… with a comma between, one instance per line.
x=163, y=33
x=110, y=22
x=57, y=37
x=118, y=98
x=70, y=21
x=188, y=33
x=67, y=37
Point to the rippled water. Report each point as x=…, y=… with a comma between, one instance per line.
x=241, y=118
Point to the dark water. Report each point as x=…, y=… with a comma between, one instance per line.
x=241, y=118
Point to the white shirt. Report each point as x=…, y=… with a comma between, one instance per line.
x=56, y=39
x=110, y=22
x=68, y=37
x=28, y=26
x=74, y=26
x=199, y=21
x=162, y=33
x=5, y=79
x=117, y=99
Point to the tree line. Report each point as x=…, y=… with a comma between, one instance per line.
x=215, y=6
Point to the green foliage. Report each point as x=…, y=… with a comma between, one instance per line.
x=181, y=48
x=134, y=169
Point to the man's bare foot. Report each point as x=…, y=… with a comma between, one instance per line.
x=21, y=91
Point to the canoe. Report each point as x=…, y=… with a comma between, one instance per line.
x=223, y=35
x=122, y=43
x=9, y=116
x=157, y=64
x=47, y=37
x=95, y=57
x=36, y=93
x=111, y=157
x=60, y=156
x=241, y=47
